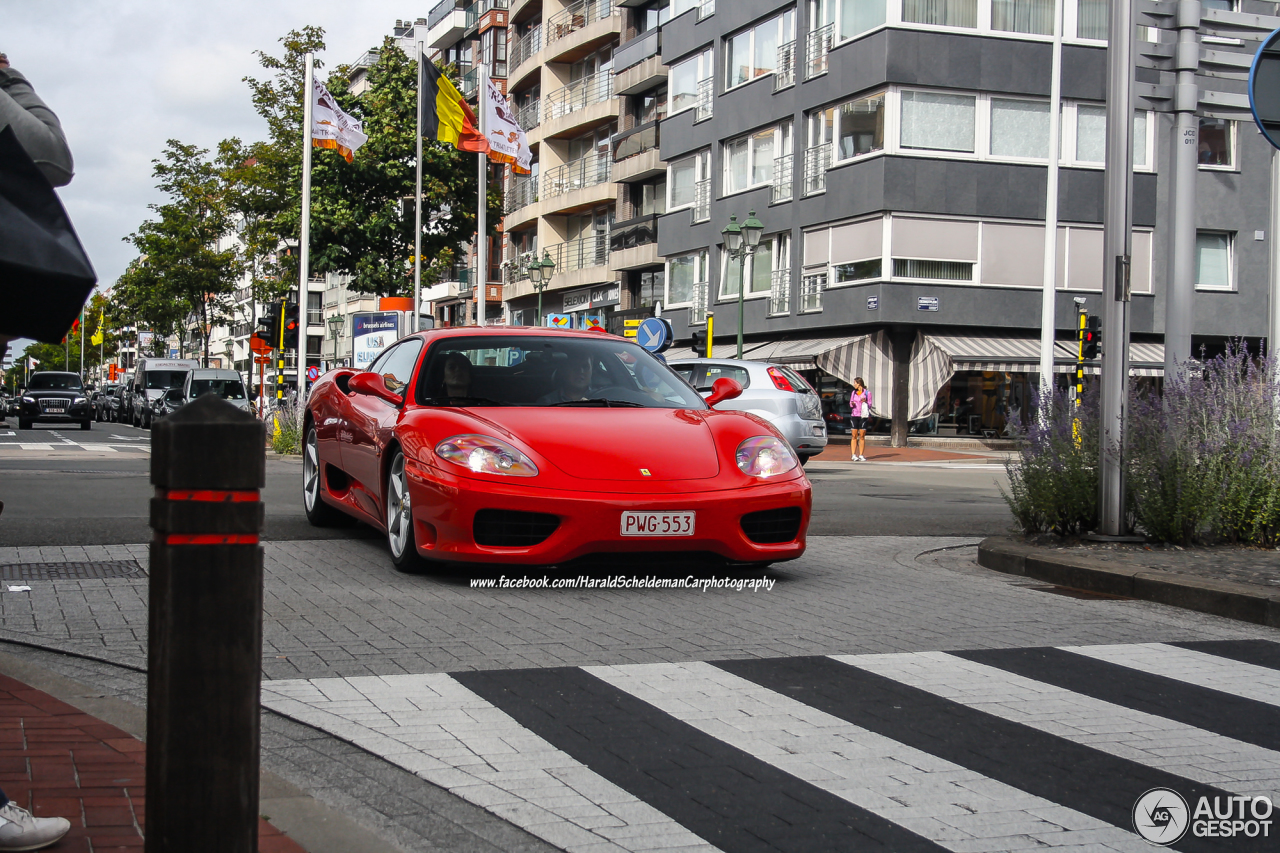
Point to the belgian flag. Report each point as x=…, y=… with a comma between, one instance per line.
x=445, y=114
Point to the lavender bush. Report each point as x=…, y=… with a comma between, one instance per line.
x=1053, y=481
x=1203, y=458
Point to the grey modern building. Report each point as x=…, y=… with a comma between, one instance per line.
x=896, y=152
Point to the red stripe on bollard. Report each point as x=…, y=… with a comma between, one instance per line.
x=208, y=496
x=211, y=539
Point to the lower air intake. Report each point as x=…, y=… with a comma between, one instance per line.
x=507, y=528
x=772, y=526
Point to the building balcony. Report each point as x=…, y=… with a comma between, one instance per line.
x=641, y=77
x=637, y=50
x=580, y=29
x=446, y=24
x=521, y=192
x=634, y=244
x=523, y=9
x=579, y=174
x=636, y=153
x=525, y=58
x=476, y=12
x=580, y=106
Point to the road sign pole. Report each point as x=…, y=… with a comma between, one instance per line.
x=1184, y=157
x=1116, y=236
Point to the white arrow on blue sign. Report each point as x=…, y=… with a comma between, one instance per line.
x=654, y=334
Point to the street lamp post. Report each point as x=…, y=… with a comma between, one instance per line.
x=540, y=273
x=335, y=330
x=741, y=242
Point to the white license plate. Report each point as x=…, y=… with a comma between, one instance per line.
x=57, y=410
x=657, y=523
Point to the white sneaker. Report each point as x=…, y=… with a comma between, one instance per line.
x=22, y=831
x=862, y=459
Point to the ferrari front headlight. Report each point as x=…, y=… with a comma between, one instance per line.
x=486, y=455
x=765, y=456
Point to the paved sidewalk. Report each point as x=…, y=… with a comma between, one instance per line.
x=60, y=762
x=1239, y=583
x=841, y=452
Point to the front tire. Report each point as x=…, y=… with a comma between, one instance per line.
x=399, y=520
x=319, y=513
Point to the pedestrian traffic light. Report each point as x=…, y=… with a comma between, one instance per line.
x=289, y=326
x=1091, y=344
x=699, y=344
x=269, y=327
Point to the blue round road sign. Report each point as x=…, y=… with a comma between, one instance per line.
x=1264, y=88
x=655, y=335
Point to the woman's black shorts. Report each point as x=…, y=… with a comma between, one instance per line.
x=858, y=423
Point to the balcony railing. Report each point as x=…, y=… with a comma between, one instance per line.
x=636, y=141
x=579, y=174
x=702, y=201
x=522, y=193
x=315, y=316
x=577, y=17
x=816, y=160
x=576, y=96
x=782, y=178
x=580, y=254
x=469, y=84
x=530, y=115
x=785, y=74
x=706, y=94
x=780, y=292
x=476, y=10
x=525, y=46
x=442, y=10
x=698, y=311
x=637, y=50
x=816, y=49
x=811, y=287
x=640, y=231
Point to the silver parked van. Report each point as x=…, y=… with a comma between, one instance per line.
x=152, y=377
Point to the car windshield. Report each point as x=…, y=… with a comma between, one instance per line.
x=227, y=389
x=55, y=382
x=549, y=370
x=165, y=379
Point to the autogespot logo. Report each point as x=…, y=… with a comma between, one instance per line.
x=1160, y=816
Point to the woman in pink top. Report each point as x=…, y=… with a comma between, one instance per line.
x=859, y=412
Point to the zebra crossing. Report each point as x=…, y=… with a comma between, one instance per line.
x=53, y=442
x=966, y=751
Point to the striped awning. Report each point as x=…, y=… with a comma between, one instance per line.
x=799, y=353
x=1022, y=355
x=871, y=357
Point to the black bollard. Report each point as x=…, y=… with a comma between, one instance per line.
x=205, y=633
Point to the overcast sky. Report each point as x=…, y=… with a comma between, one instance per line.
x=124, y=76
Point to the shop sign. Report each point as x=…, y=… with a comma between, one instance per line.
x=593, y=297
x=873, y=303
x=371, y=333
x=927, y=303
x=577, y=300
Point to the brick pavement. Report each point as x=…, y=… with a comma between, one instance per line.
x=60, y=762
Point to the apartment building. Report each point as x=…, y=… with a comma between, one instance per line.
x=896, y=153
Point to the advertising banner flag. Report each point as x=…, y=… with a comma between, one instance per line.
x=371, y=333
x=507, y=141
x=331, y=127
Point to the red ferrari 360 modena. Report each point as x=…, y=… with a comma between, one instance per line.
x=533, y=446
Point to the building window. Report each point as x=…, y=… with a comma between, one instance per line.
x=685, y=275
x=1019, y=128
x=683, y=178
x=651, y=289
x=1213, y=260
x=1091, y=135
x=856, y=271
x=937, y=270
x=941, y=13
x=684, y=79
x=754, y=52
x=1216, y=143
x=847, y=18
x=857, y=127
x=1091, y=19
x=749, y=160
x=938, y=121
x=651, y=106
x=772, y=254
x=653, y=197
x=1023, y=16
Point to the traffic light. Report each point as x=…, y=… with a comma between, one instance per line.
x=699, y=345
x=269, y=327
x=1092, y=340
x=289, y=326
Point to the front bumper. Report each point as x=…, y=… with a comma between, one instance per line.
x=75, y=412
x=444, y=509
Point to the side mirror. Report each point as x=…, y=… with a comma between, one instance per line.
x=371, y=385
x=723, y=389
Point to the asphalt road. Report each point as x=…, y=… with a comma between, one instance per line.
x=66, y=486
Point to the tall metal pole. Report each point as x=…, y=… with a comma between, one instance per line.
x=304, y=250
x=1048, y=321
x=1273, y=327
x=1183, y=157
x=747, y=252
x=417, y=210
x=1116, y=244
x=482, y=203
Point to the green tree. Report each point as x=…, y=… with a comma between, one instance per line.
x=185, y=261
x=362, y=212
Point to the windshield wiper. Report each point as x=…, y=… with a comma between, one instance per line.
x=601, y=401
x=465, y=401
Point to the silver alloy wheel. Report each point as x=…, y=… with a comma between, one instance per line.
x=398, y=517
x=311, y=472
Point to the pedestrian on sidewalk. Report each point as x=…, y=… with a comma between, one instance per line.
x=859, y=412
x=20, y=830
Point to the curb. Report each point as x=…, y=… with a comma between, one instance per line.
x=1231, y=599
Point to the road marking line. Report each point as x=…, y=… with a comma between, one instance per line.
x=1191, y=667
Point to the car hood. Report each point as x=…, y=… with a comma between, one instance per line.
x=638, y=445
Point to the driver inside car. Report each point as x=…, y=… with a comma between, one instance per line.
x=573, y=380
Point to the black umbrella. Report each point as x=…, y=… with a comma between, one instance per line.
x=45, y=275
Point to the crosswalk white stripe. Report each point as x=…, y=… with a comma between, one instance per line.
x=953, y=806
x=1157, y=742
x=1191, y=667
x=434, y=727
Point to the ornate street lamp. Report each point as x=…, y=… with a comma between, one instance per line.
x=335, y=331
x=741, y=241
x=540, y=273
